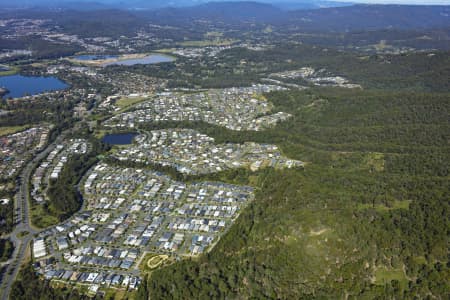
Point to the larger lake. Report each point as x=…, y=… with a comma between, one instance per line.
x=119, y=138
x=20, y=86
x=151, y=59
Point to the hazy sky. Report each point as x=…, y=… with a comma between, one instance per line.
x=430, y=2
x=445, y=2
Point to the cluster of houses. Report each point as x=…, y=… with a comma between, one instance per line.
x=94, y=279
x=7, y=53
x=132, y=83
x=130, y=212
x=102, y=257
x=194, y=52
x=212, y=51
x=191, y=152
x=197, y=224
x=17, y=148
x=55, y=69
x=52, y=166
x=318, y=78
x=158, y=202
x=241, y=108
x=199, y=243
x=67, y=247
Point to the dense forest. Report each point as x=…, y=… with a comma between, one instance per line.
x=6, y=214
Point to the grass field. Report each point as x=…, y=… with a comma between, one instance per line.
x=404, y=204
x=374, y=161
x=12, y=129
x=165, y=50
x=204, y=43
x=126, y=102
x=384, y=275
x=11, y=71
x=116, y=294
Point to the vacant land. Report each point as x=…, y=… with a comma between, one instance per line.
x=11, y=71
x=205, y=43
x=12, y=129
x=126, y=102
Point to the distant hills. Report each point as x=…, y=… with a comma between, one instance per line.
x=330, y=19
x=228, y=12
x=370, y=17
x=348, y=18
x=157, y=4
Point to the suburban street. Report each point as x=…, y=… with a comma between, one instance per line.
x=24, y=231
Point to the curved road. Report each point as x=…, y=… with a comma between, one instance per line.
x=23, y=232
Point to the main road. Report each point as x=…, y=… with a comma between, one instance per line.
x=23, y=232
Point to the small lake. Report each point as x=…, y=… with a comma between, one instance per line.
x=119, y=138
x=151, y=59
x=20, y=86
x=94, y=57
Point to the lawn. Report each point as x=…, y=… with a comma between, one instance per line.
x=386, y=275
x=129, y=101
x=11, y=71
x=404, y=204
x=12, y=129
x=204, y=43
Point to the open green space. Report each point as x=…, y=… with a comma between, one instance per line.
x=153, y=261
x=6, y=130
x=6, y=249
x=404, y=204
x=126, y=102
x=41, y=218
x=23, y=234
x=384, y=275
x=12, y=70
x=209, y=42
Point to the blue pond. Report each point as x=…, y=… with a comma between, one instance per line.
x=94, y=57
x=151, y=59
x=20, y=86
x=119, y=138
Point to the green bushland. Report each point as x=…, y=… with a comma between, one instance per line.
x=6, y=249
x=12, y=129
x=29, y=286
x=7, y=211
